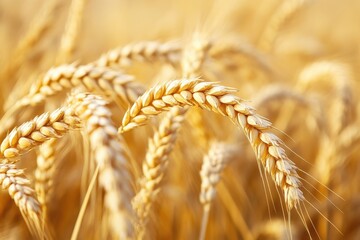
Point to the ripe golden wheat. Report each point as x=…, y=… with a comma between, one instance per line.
x=80, y=79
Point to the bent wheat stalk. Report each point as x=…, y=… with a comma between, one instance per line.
x=219, y=99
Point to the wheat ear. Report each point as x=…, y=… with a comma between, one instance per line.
x=92, y=78
x=120, y=87
x=284, y=13
x=155, y=164
x=338, y=76
x=70, y=35
x=193, y=59
x=213, y=165
x=14, y=181
x=114, y=173
x=219, y=99
x=37, y=131
x=142, y=51
x=45, y=168
x=238, y=46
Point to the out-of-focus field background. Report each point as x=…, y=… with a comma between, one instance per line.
x=299, y=69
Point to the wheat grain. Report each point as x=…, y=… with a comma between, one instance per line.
x=219, y=99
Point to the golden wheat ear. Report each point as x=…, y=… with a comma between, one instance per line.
x=148, y=51
x=18, y=186
x=114, y=169
x=155, y=164
x=219, y=99
x=212, y=167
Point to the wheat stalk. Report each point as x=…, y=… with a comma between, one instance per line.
x=220, y=99
x=114, y=173
x=12, y=180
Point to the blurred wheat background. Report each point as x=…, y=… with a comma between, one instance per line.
x=90, y=171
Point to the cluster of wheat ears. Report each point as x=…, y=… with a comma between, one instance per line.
x=84, y=154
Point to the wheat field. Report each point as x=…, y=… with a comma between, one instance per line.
x=180, y=119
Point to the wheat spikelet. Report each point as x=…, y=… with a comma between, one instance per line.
x=283, y=14
x=155, y=164
x=219, y=99
x=12, y=180
x=37, y=131
x=114, y=173
x=68, y=40
x=142, y=51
